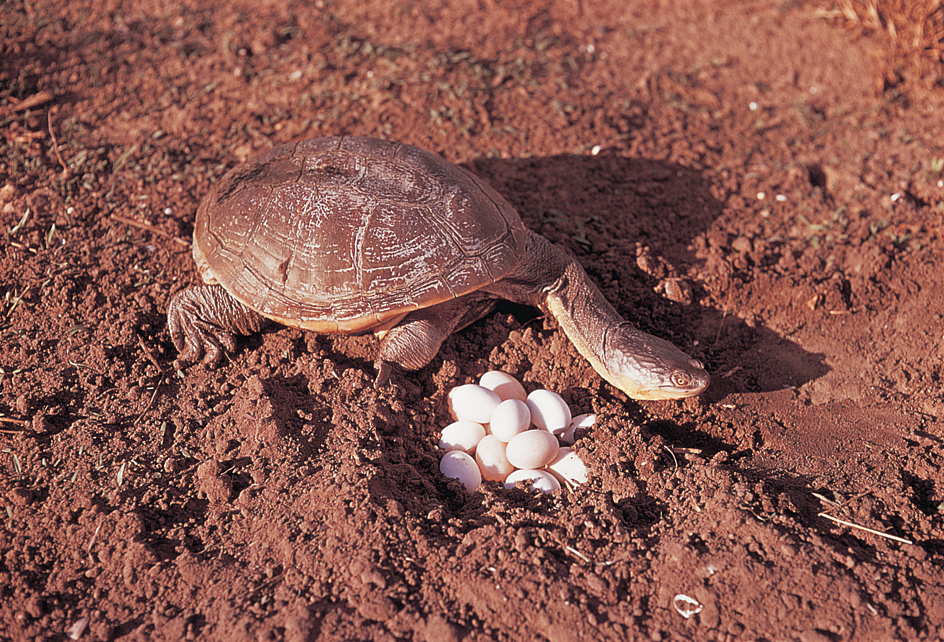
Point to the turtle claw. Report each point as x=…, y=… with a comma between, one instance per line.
x=201, y=341
x=213, y=348
x=195, y=338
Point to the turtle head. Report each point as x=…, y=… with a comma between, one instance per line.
x=647, y=367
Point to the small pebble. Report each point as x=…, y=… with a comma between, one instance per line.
x=510, y=418
x=549, y=411
x=20, y=496
x=532, y=449
x=473, y=403
x=506, y=386
x=540, y=479
x=78, y=627
x=678, y=290
x=462, y=435
x=459, y=465
x=492, y=460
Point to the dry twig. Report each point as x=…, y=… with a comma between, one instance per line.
x=55, y=145
x=842, y=506
x=863, y=528
x=157, y=387
x=149, y=353
x=35, y=100
x=149, y=228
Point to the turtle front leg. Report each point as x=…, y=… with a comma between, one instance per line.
x=415, y=341
x=202, y=321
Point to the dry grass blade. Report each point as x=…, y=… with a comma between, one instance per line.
x=149, y=228
x=827, y=501
x=672, y=452
x=866, y=529
x=149, y=353
x=55, y=146
x=157, y=387
x=19, y=226
x=678, y=450
x=22, y=426
x=16, y=301
x=841, y=506
x=574, y=551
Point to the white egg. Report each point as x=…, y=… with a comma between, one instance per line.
x=549, y=411
x=510, y=418
x=532, y=449
x=567, y=466
x=462, y=435
x=492, y=460
x=459, y=465
x=473, y=403
x=580, y=421
x=540, y=479
x=504, y=384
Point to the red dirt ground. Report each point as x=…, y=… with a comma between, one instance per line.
x=786, y=166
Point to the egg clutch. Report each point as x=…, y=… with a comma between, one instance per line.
x=502, y=434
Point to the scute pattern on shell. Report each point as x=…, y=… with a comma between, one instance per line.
x=345, y=233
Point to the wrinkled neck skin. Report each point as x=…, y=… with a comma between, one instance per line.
x=641, y=365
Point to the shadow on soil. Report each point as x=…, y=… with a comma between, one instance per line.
x=603, y=209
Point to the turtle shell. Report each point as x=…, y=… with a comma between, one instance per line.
x=345, y=234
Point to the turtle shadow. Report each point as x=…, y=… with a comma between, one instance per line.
x=745, y=359
x=618, y=216
x=596, y=206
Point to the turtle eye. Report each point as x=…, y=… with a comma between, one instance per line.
x=681, y=379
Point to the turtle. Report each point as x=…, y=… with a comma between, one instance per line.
x=349, y=234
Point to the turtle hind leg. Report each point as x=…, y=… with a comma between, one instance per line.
x=415, y=341
x=202, y=321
